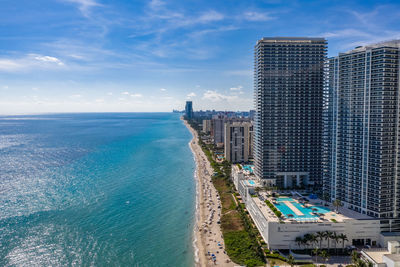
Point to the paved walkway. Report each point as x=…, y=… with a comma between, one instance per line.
x=293, y=208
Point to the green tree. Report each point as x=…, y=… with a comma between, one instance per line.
x=299, y=241
x=320, y=236
x=315, y=251
x=343, y=237
x=335, y=239
x=354, y=257
x=337, y=203
x=324, y=254
x=328, y=237
x=291, y=260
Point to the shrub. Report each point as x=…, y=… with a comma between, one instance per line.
x=273, y=208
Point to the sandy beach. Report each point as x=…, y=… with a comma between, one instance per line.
x=208, y=235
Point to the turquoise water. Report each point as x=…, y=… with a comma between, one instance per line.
x=248, y=168
x=96, y=190
x=307, y=212
x=251, y=182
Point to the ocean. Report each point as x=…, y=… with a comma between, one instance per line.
x=112, y=189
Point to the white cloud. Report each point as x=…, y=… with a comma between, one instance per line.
x=156, y=4
x=136, y=95
x=125, y=93
x=48, y=59
x=239, y=88
x=163, y=89
x=346, y=33
x=256, y=16
x=109, y=93
x=30, y=61
x=84, y=5
x=214, y=96
x=99, y=100
x=10, y=65
x=190, y=95
x=210, y=16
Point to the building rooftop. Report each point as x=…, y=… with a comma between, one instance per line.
x=292, y=40
x=393, y=257
x=324, y=216
x=376, y=254
x=391, y=43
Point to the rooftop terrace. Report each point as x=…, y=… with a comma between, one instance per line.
x=295, y=209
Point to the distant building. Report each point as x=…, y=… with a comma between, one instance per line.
x=206, y=126
x=361, y=133
x=189, y=109
x=289, y=74
x=218, y=129
x=237, y=141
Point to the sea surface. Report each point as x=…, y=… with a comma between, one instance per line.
x=112, y=189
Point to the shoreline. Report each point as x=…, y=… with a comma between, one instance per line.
x=207, y=237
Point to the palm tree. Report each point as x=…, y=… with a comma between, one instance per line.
x=354, y=257
x=307, y=239
x=321, y=236
x=324, y=254
x=335, y=238
x=314, y=239
x=328, y=236
x=291, y=260
x=315, y=251
x=337, y=203
x=299, y=241
x=343, y=237
x=257, y=189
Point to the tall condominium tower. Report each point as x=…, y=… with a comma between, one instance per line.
x=237, y=141
x=218, y=128
x=189, y=109
x=361, y=132
x=289, y=74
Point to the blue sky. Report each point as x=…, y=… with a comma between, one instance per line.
x=120, y=55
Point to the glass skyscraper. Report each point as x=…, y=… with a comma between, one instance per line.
x=189, y=109
x=288, y=79
x=361, y=132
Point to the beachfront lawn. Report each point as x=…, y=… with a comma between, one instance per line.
x=240, y=247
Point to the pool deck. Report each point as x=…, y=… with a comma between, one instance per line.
x=345, y=214
x=293, y=208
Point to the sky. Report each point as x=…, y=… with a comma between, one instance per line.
x=151, y=56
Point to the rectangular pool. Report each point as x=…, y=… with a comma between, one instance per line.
x=307, y=211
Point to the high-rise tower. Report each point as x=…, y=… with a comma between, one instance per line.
x=288, y=81
x=361, y=131
x=189, y=110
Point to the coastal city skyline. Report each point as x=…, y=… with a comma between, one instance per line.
x=102, y=56
x=232, y=133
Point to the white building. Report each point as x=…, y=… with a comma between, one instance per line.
x=280, y=233
x=386, y=257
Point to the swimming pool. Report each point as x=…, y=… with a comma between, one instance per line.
x=251, y=182
x=306, y=211
x=248, y=168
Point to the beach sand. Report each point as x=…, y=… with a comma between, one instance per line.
x=208, y=235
